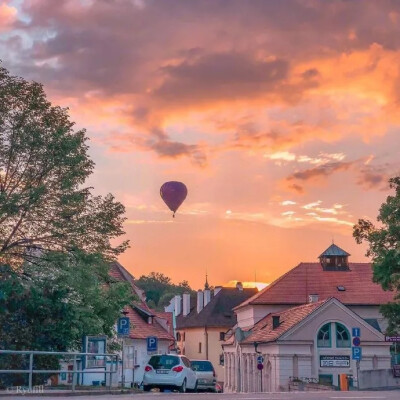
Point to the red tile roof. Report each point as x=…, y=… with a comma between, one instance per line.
x=262, y=331
x=309, y=278
x=140, y=328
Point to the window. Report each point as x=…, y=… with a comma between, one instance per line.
x=341, y=288
x=324, y=336
x=186, y=362
x=222, y=336
x=199, y=347
x=342, y=336
x=202, y=366
x=178, y=337
x=164, y=361
x=326, y=380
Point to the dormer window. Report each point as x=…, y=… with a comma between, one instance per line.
x=341, y=288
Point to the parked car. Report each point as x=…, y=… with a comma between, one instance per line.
x=206, y=379
x=169, y=371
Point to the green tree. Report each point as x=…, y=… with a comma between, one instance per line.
x=44, y=163
x=160, y=290
x=384, y=249
x=55, y=302
x=56, y=237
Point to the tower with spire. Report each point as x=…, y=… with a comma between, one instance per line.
x=206, y=285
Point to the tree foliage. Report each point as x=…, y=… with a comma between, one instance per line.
x=52, y=304
x=384, y=249
x=160, y=290
x=57, y=300
x=44, y=163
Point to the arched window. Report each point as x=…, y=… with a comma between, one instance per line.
x=342, y=336
x=324, y=336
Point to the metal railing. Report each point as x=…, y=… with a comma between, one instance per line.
x=75, y=357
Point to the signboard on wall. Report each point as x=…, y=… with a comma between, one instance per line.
x=334, y=361
x=392, y=338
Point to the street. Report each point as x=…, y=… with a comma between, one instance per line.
x=387, y=395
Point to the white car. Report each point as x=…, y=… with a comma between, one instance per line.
x=206, y=379
x=169, y=371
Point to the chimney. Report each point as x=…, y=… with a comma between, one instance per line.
x=207, y=296
x=177, y=305
x=313, y=298
x=217, y=289
x=239, y=286
x=186, y=304
x=275, y=321
x=200, y=300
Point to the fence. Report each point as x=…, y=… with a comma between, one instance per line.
x=112, y=358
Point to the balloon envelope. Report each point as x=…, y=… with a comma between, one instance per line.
x=173, y=193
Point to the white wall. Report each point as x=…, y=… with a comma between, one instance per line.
x=248, y=316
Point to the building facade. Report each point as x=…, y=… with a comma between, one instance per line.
x=312, y=342
x=302, y=323
x=201, y=325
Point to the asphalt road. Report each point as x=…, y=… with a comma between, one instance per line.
x=388, y=395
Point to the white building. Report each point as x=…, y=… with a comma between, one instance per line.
x=302, y=326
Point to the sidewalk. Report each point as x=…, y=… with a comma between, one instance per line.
x=65, y=392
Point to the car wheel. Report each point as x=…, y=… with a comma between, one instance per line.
x=182, y=389
x=146, y=388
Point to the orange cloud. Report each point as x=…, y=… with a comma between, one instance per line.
x=8, y=16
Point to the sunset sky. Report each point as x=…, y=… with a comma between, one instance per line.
x=281, y=117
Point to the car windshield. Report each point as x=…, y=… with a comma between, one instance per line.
x=202, y=366
x=163, y=362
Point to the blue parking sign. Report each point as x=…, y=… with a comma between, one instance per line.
x=152, y=344
x=123, y=326
x=356, y=353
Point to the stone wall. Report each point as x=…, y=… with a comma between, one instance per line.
x=378, y=379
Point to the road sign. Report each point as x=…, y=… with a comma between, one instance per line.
x=260, y=360
x=356, y=353
x=123, y=326
x=356, y=341
x=356, y=332
x=260, y=367
x=152, y=344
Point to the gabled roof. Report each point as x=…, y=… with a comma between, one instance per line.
x=263, y=331
x=295, y=286
x=139, y=312
x=141, y=329
x=218, y=312
x=118, y=272
x=334, y=250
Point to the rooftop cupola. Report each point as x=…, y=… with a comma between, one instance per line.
x=334, y=259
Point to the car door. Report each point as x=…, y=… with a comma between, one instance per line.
x=191, y=375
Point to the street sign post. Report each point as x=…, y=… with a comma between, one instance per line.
x=260, y=362
x=123, y=326
x=356, y=332
x=356, y=353
x=152, y=344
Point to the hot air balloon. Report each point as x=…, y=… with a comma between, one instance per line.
x=173, y=193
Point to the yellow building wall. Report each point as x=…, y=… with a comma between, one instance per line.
x=189, y=345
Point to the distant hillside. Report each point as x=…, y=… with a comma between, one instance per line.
x=160, y=290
